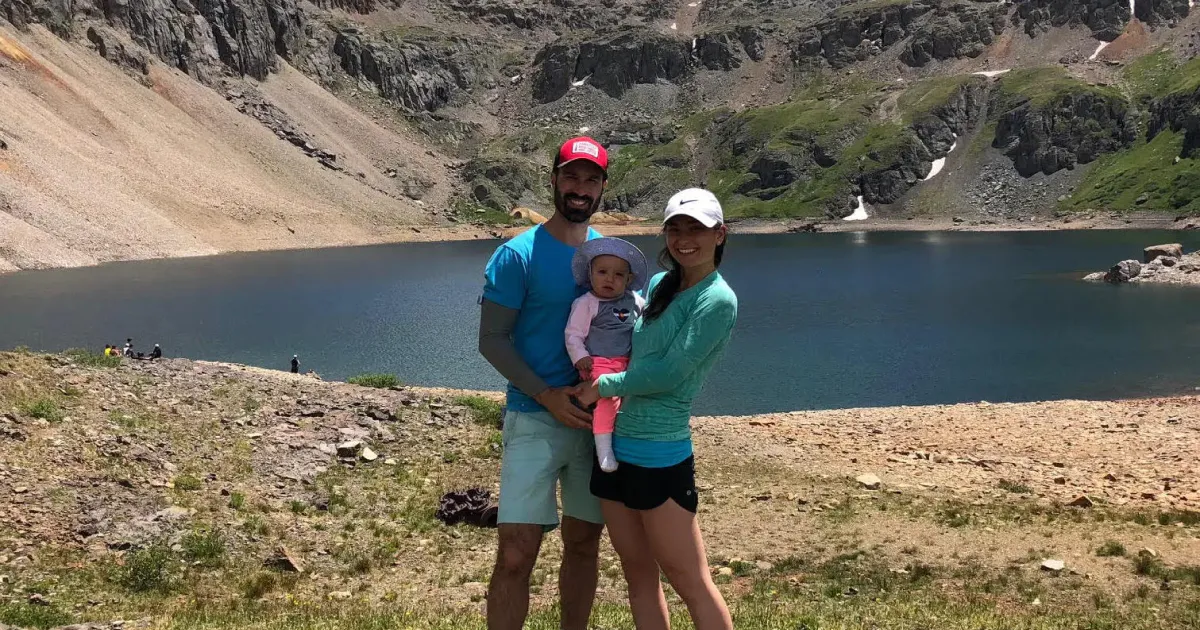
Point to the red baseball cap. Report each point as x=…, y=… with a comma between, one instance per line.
x=583, y=148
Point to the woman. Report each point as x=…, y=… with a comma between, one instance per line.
x=649, y=501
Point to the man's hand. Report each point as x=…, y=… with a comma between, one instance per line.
x=584, y=366
x=557, y=400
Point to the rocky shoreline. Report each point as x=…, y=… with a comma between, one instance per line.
x=469, y=232
x=1160, y=264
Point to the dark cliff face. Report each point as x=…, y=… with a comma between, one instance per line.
x=612, y=65
x=845, y=37
x=419, y=75
x=1070, y=129
x=56, y=15
x=957, y=31
x=1161, y=12
x=1106, y=18
x=1181, y=113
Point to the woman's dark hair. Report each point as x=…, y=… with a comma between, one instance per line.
x=668, y=287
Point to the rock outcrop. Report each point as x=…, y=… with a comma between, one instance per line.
x=1164, y=264
x=1073, y=128
x=612, y=65
x=929, y=137
x=960, y=31
x=499, y=182
x=1179, y=112
x=1161, y=12
x=1106, y=18
x=850, y=35
x=56, y=15
x=575, y=14
x=109, y=45
x=418, y=74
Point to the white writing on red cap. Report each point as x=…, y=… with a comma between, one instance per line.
x=583, y=146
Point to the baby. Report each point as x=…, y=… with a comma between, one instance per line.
x=600, y=329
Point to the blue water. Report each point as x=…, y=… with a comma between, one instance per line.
x=826, y=320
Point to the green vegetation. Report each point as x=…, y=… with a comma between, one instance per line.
x=24, y=615
x=43, y=408
x=1015, y=488
x=378, y=381
x=1147, y=173
x=484, y=411
x=925, y=96
x=85, y=357
x=1159, y=74
x=187, y=483
x=1042, y=86
x=149, y=569
x=204, y=547
x=1110, y=549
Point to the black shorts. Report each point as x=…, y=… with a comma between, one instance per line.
x=641, y=488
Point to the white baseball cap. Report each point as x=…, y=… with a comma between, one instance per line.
x=697, y=203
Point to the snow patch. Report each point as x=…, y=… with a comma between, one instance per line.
x=693, y=44
x=992, y=73
x=674, y=26
x=584, y=129
x=1131, y=8
x=860, y=213
x=940, y=163
x=581, y=81
x=1102, y=46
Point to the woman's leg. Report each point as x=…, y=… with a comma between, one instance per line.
x=646, y=598
x=674, y=535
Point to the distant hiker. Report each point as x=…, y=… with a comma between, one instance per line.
x=526, y=302
x=156, y=353
x=295, y=364
x=650, y=501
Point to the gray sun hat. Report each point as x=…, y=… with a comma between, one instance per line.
x=581, y=264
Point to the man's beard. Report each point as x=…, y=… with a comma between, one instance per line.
x=575, y=215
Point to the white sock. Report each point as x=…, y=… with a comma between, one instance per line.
x=604, y=452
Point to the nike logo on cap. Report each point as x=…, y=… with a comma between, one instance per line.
x=687, y=201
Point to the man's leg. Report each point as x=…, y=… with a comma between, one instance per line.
x=508, y=593
x=583, y=523
x=528, y=475
x=579, y=572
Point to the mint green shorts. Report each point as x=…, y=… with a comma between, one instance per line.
x=539, y=455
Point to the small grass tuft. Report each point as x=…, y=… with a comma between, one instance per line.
x=204, y=547
x=484, y=411
x=1015, y=488
x=378, y=381
x=1110, y=549
x=258, y=585
x=43, y=408
x=146, y=570
x=187, y=483
x=237, y=500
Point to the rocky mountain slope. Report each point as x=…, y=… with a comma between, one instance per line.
x=144, y=128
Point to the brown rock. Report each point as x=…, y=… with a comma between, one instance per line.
x=1081, y=501
x=284, y=560
x=1170, y=250
x=1062, y=481
x=869, y=481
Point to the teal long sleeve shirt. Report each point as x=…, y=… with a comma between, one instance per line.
x=671, y=357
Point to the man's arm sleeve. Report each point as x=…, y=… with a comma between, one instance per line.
x=496, y=324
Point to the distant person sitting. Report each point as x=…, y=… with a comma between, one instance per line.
x=295, y=364
x=128, y=351
x=156, y=353
x=107, y=350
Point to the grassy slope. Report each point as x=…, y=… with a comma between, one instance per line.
x=1148, y=171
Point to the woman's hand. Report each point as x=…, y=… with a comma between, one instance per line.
x=587, y=393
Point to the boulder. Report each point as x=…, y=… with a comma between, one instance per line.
x=869, y=481
x=1169, y=250
x=1123, y=271
x=1094, y=277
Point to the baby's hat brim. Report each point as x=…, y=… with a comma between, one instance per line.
x=581, y=264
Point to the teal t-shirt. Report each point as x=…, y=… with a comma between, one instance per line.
x=671, y=357
x=532, y=273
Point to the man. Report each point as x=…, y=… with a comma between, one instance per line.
x=547, y=437
x=156, y=353
x=295, y=364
